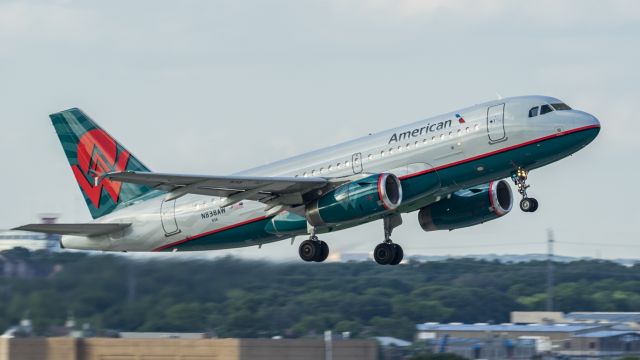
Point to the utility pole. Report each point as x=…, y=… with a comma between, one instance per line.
x=550, y=270
x=131, y=282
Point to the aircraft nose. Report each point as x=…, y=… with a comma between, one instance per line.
x=588, y=125
x=585, y=120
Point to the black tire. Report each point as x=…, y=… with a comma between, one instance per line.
x=384, y=253
x=308, y=250
x=399, y=254
x=535, y=205
x=526, y=204
x=323, y=252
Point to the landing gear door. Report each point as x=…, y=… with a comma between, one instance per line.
x=168, y=218
x=356, y=163
x=495, y=123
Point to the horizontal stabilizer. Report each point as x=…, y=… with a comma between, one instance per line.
x=74, y=229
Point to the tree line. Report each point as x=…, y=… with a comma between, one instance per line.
x=231, y=297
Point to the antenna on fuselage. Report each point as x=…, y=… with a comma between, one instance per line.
x=499, y=96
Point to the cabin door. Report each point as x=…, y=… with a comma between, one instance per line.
x=495, y=123
x=168, y=218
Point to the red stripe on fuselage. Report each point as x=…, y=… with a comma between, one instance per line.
x=176, y=243
x=513, y=147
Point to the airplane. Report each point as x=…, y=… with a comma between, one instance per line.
x=450, y=168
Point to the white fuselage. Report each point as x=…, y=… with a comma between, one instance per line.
x=436, y=143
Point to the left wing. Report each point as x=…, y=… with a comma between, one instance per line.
x=270, y=190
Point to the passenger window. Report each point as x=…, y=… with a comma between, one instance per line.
x=545, y=109
x=533, y=112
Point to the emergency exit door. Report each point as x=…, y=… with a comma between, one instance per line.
x=356, y=163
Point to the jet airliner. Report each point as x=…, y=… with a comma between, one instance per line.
x=451, y=169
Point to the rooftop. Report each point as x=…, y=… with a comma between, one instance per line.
x=563, y=328
x=604, y=316
x=606, y=333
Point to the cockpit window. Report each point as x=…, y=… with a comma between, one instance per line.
x=545, y=109
x=561, y=106
x=533, y=112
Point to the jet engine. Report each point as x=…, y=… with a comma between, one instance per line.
x=468, y=207
x=362, y=198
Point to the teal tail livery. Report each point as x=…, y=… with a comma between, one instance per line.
x=451, y=170
x=92, y=153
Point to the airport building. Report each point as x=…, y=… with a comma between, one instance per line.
x=580, y=340
x=67, y=348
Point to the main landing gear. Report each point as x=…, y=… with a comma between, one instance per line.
x=389, y=253
x=527, y=204
x=313, y=249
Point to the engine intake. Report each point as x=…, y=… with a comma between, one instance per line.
x=358, y=199
x=468, y=207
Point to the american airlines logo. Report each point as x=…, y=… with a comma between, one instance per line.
x=417, y=132
x=97, y=155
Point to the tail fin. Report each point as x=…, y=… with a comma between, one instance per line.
x=92, y=152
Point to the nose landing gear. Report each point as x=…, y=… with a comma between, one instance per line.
x=527, y=204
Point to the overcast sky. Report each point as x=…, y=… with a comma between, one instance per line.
x=214, y=87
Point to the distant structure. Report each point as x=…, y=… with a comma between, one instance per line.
x=550, y=280
x=532, y=334
x=516, y=341
x=31, y=240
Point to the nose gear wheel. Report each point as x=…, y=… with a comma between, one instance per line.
x=527, y=204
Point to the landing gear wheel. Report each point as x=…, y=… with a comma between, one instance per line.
x=308, y=250
x=313, y=250
x=399, y=254
x=384, y=253
x=527, y=204
x=323, y=253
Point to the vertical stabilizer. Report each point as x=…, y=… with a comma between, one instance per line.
x=92, y=152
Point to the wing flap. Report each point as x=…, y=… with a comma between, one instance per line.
x=74, y=229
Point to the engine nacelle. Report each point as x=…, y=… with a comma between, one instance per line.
x=370, y=196
x=468, y=207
